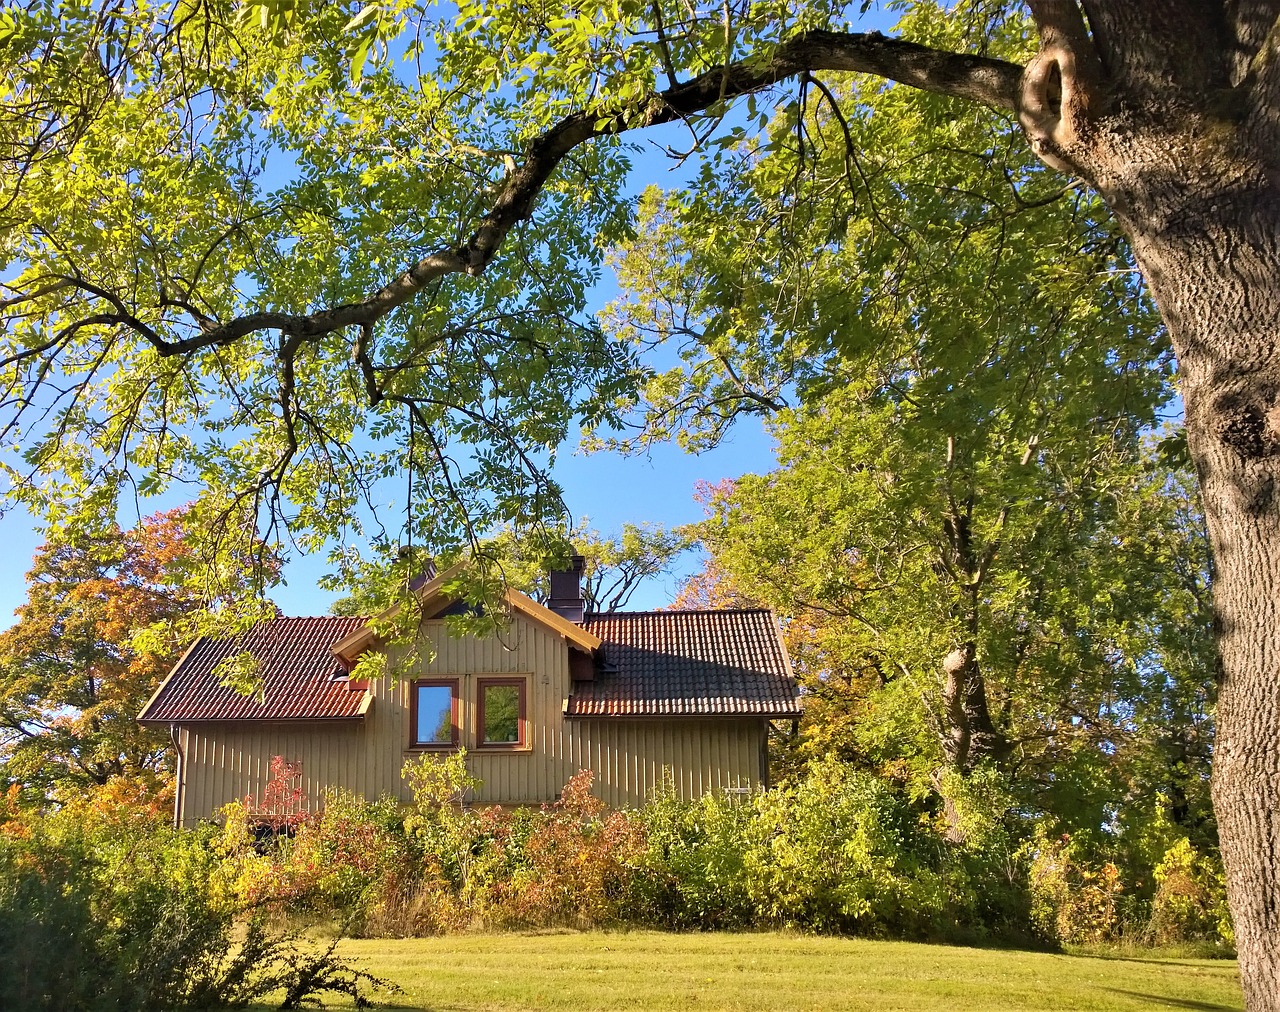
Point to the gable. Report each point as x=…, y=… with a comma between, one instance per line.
x=434, y=600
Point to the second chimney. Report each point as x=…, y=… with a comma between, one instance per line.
x=566, y=590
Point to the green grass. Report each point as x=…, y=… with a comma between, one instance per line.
x=651, y=970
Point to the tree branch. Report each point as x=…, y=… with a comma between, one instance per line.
x=991, y=82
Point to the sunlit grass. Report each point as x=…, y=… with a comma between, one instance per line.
x=651, y=970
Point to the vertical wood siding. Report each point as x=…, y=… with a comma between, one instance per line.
x=224, y=762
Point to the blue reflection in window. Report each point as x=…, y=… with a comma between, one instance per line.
x=435, y=715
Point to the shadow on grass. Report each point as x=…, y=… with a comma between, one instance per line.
x=1159, y=999
x=1151, y=962
x=389, y=1004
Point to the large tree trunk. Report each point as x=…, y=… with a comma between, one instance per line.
x=1212, y=269
x=1176, y=123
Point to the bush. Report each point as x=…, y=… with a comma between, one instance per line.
x=1190, y=903
x=838, y=850
x=842, y=852
x=570, y=865
x=1072, y=899
x=100, y=914
x=694, y=871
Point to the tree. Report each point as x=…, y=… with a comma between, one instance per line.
x=149, y=260
x=104, y=621
x=1087, y=634
x=900, y=330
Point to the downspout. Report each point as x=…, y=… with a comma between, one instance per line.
x=179, y=773
x=764, y=755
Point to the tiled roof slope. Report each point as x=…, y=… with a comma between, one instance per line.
x=688, y=663
x=295, y=662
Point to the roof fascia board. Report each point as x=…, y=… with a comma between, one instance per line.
x=353, y=644
x=354, y=718
x=782, y=647
x=740, y=715
x=142, y=714
x=571, y=631
x=350, y=646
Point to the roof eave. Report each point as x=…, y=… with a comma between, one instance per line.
x=142, y=717
x=736, y=715
x=352, y=718
x=353, y=644
x=571, y=631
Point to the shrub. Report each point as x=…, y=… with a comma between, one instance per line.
x=108, y=915
x=1190, y=902
x=837, y=850
x=1072, y=900
x=841, y=851
x=569, y=865
x=694, y=867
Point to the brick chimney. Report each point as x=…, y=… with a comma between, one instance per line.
x=566, y=590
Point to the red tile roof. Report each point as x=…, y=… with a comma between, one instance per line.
x=302, y=680
x=728, y=663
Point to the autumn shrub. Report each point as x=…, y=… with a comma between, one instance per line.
x=570, y=864
x=836, y=850
x=1190, y=901
x=360, y=850
x=104, y=914
x=565, y=864
x=1073, y=899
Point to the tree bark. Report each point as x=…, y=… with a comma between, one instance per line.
x=1206, y=268
x=969, y=736
x=1156, y=107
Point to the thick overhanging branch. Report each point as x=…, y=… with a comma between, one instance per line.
x=991, y=82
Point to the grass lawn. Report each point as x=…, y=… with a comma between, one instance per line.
x=651, y=970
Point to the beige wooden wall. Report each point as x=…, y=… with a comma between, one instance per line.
x=224, y=762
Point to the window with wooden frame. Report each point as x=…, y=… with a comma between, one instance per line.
x=433, y=713
x=502, y=718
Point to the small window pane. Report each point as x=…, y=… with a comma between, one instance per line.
x=501, y=714
x=435, y=715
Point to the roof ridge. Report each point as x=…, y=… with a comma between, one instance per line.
x=318, y=618
x=593, y=616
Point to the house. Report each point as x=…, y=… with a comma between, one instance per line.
x=633, y=696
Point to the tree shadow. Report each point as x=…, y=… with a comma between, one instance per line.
x=1159, y=999
x=389, y=1004
x=1152, y=962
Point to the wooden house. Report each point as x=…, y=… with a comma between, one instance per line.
x=635, y=697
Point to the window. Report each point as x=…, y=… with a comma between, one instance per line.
x=434, y=714
x=501, y=716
